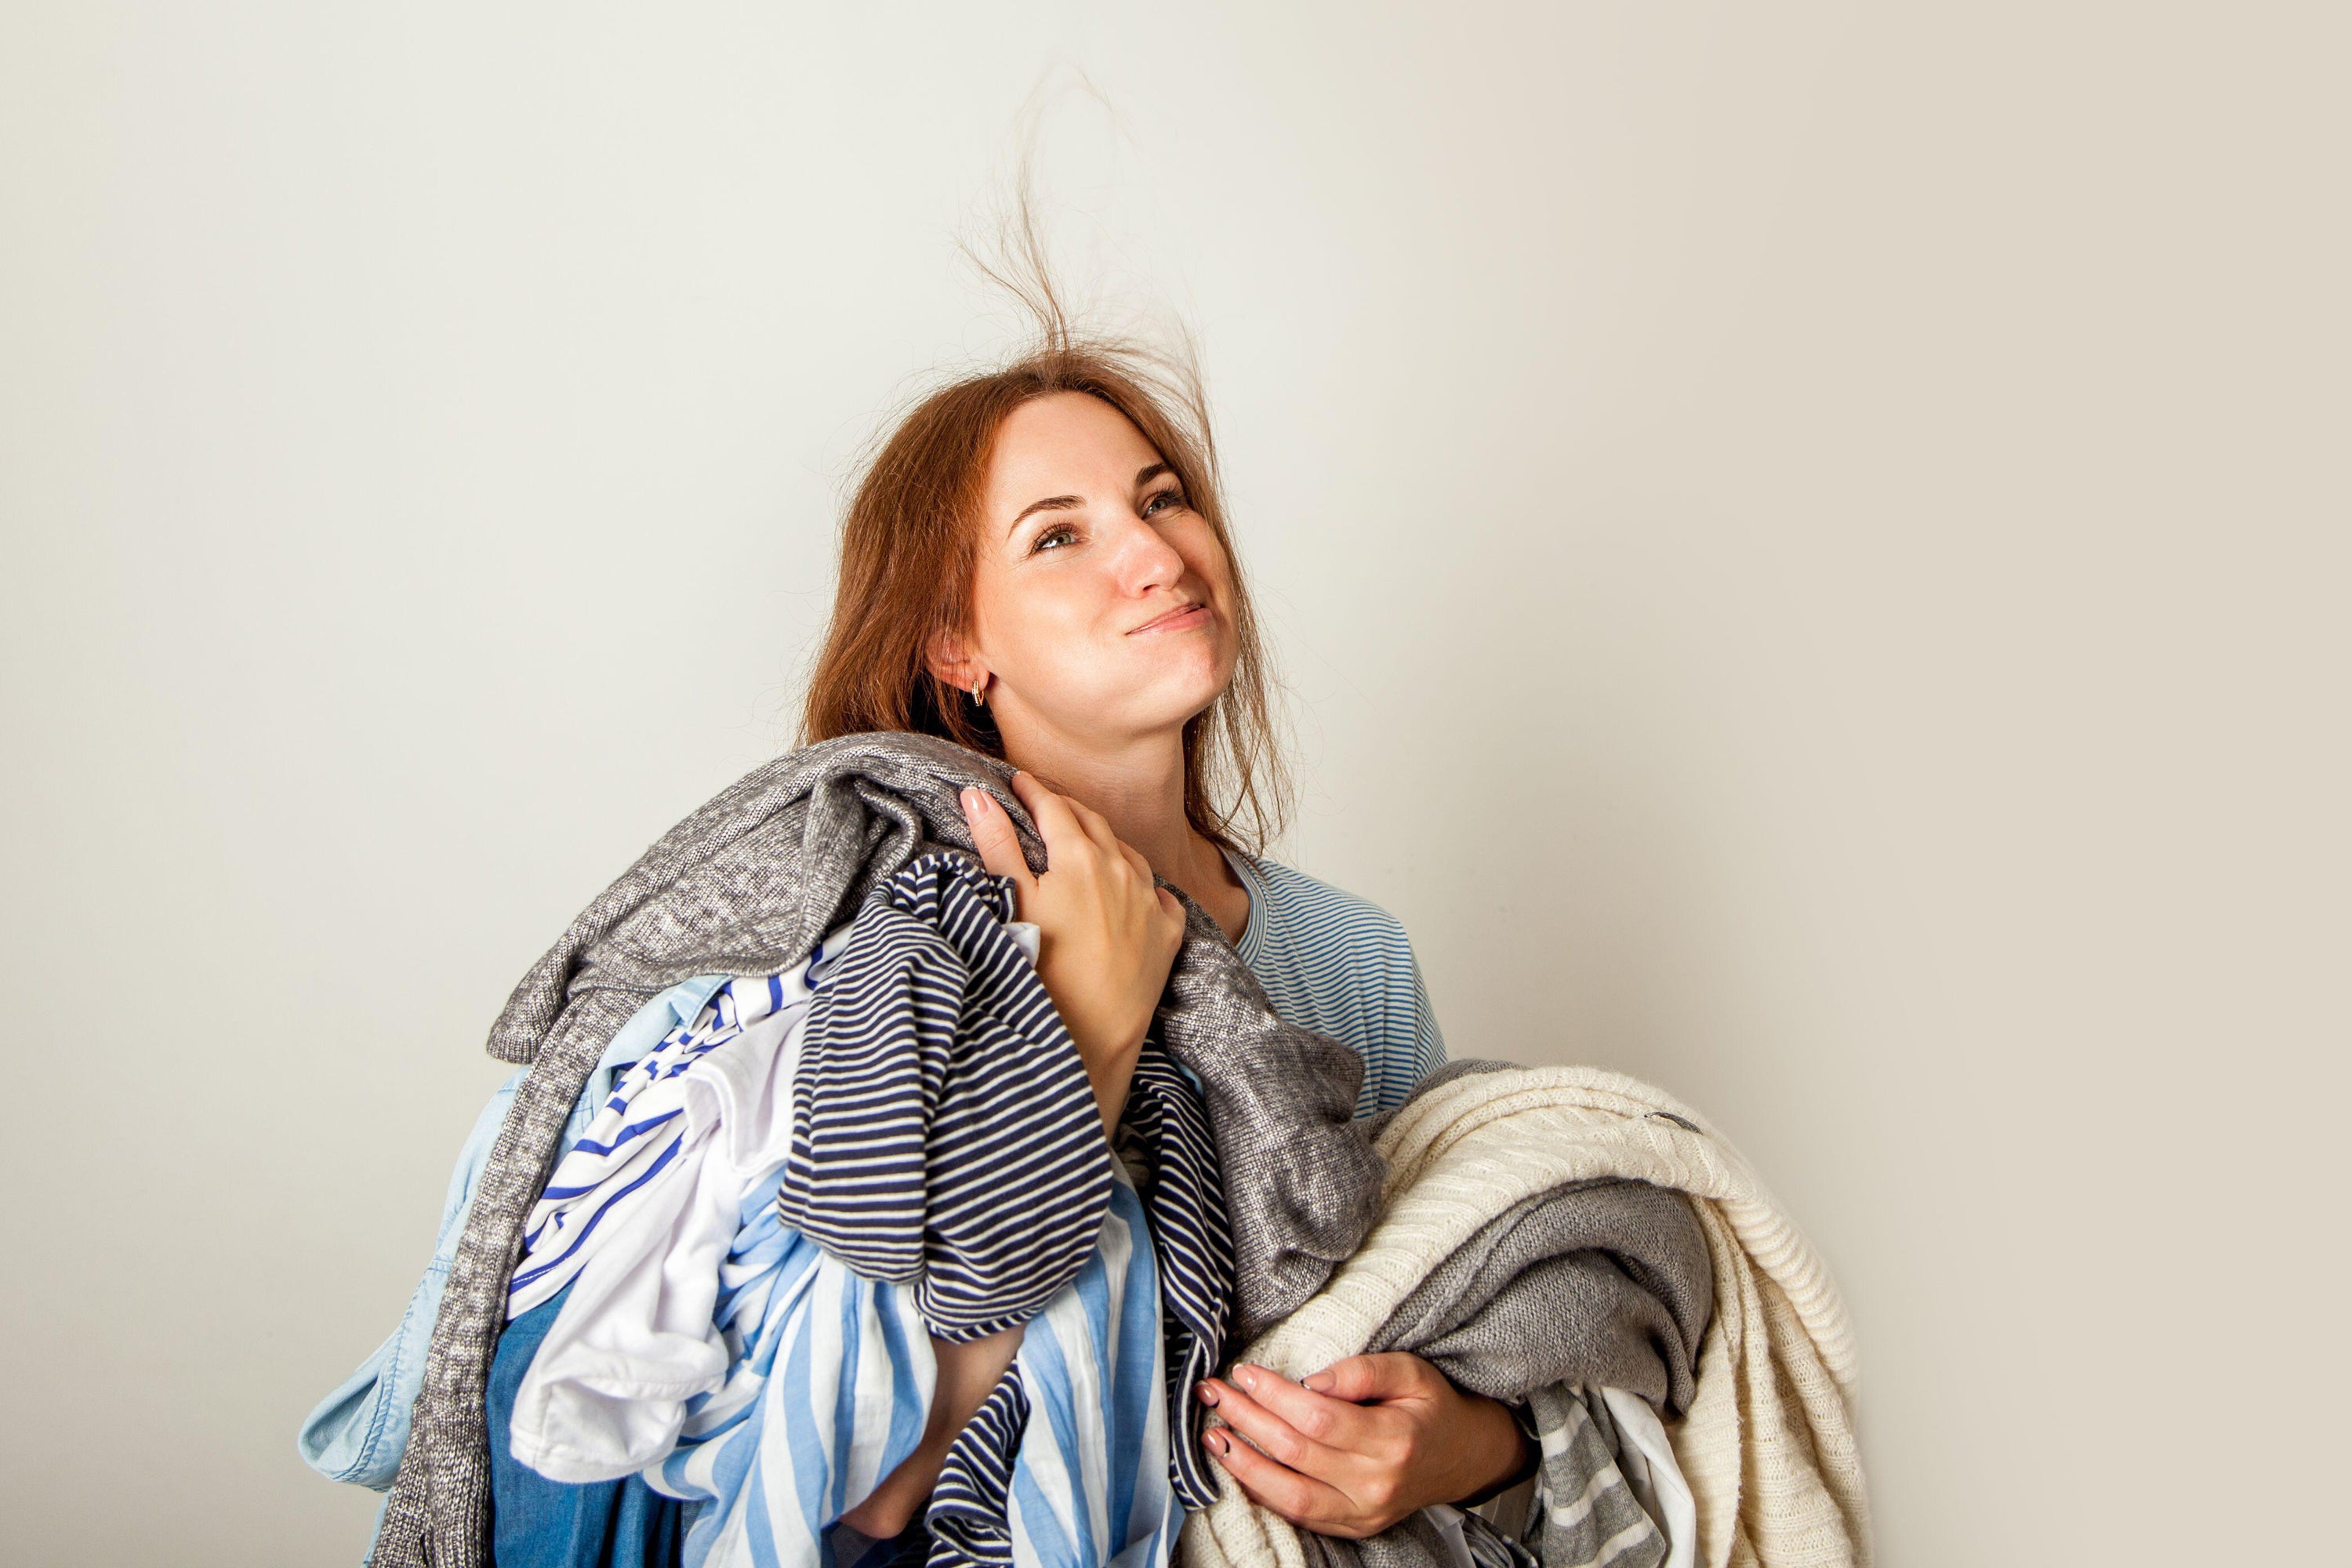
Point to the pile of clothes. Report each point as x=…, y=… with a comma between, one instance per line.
x=796, y=1105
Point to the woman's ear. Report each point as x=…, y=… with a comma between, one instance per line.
x=943, y=655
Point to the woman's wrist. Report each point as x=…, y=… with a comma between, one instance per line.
x=1516, y=1454
x=1111, y=1073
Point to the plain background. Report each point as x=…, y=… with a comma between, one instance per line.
x=1810, y=544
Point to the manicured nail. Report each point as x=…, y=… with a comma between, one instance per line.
x=1216, y=1442
x=1207, y=1391
x=1246, y=1376
x=1318, y=1381
x=970, y=805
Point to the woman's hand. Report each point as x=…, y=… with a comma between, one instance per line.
x=1108, y=936
x=1362, y=1443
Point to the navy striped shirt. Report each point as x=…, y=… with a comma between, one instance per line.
x=1343, y=967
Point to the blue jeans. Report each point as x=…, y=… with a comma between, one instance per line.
x=539, y=1523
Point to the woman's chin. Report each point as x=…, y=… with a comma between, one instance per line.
x=1171, y=706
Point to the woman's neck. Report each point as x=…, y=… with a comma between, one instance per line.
x=1141, y=793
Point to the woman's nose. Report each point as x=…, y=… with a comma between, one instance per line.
x=1146, y=559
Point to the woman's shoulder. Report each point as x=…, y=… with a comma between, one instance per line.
x=1338, y=962
x=1307, y=909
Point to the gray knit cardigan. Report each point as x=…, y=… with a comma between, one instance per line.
x=745, y=886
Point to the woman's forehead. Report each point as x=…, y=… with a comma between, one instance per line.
x=1066, y=441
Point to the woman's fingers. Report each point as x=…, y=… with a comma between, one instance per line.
x=1093, y=824
x=1057, y=824
x=1053, y=809
x=1277, y=1436
x=1000, y=846
x=1098, y=829
x=1325, y=1419
x=1302, y=1499
x=1360, y=1379
x=1133, y=857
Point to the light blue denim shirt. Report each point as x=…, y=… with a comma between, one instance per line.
x=357, y=1433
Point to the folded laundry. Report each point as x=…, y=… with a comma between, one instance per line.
x=1765, y=1445
x=746, y=886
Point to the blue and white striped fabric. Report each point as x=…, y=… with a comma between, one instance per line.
x=1164, y=1130
x=634, y=1138
x=832, y=1378
x=948, y=1175
x=945, y=1133
x=1335, y=961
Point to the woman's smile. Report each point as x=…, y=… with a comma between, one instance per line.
x=1180, y=620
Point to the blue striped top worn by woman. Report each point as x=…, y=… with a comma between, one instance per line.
x=1342, y=966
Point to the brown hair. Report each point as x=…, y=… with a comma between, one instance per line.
x=908, y=554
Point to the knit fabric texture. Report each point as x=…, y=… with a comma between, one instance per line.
x=1596, y=1282
x=746, y=885
x=1585, y=1513
x=1767, y=1445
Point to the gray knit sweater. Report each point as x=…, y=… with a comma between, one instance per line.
x=745, y=886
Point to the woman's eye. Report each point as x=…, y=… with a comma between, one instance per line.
x=1172, y=497
x=1058, y=529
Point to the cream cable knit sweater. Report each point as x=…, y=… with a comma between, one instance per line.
x=1768, y=1445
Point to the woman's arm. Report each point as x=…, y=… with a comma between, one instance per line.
x=1428, y=1041
x=1108, y=934
x=1109, y=938
x=1368, y=1439
x=1364, y=1442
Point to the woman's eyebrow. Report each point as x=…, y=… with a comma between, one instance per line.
x=1051, y=503
x=1150, y=472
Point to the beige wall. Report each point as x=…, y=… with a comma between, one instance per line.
x=1811, y=544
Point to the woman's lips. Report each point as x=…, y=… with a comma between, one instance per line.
x=1182, y=619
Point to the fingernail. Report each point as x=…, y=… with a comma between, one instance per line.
x=1318, y=1381
x=1207, y=1391
x=1216, y=1442
x=971, y=806
x=1246, y=1376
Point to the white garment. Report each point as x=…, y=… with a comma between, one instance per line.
x=1647, y=1458
x=634, y=1137
x=605, y=1395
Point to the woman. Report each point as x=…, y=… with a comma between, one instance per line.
x=1036, y=565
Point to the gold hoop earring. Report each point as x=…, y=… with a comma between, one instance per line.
x=976, y=697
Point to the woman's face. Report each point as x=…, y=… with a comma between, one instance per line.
x=1103, y=601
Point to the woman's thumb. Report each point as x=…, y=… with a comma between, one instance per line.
x=992, y=836
x=1358, y=1379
